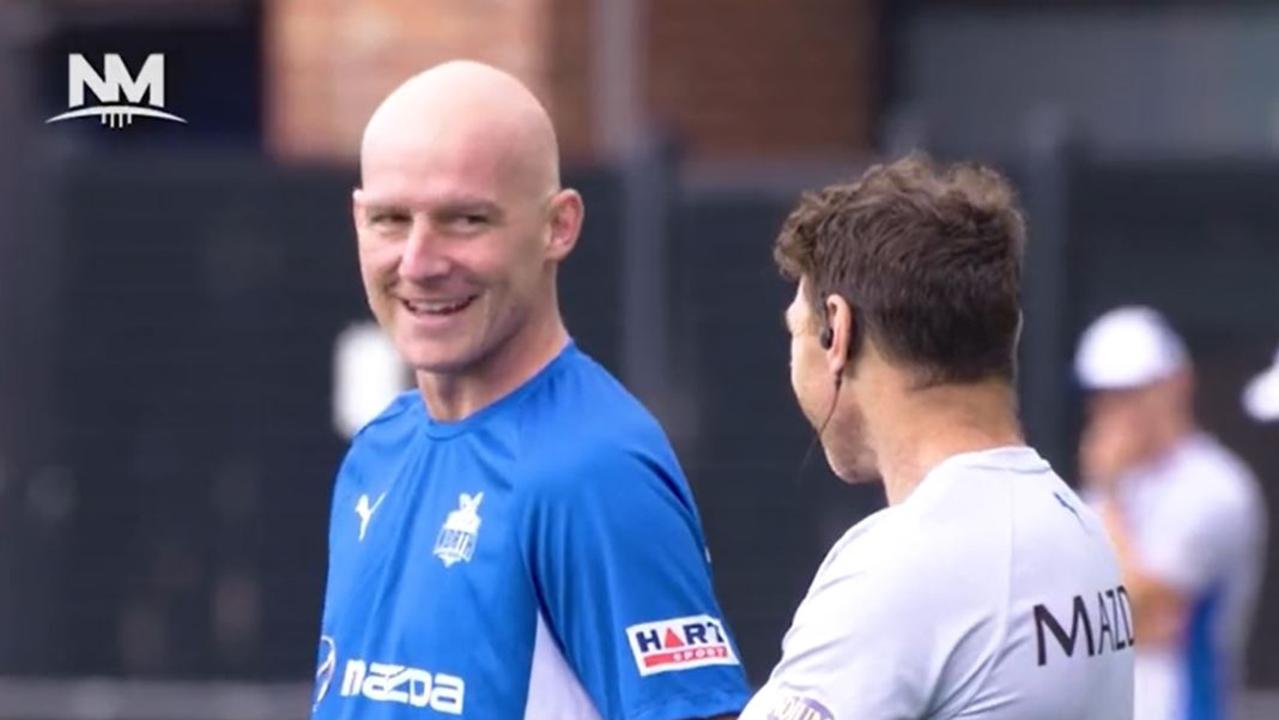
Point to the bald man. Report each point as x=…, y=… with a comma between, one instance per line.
x=513, y=538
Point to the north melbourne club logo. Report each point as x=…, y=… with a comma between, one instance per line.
x=680, y=644
x=107, y=88
x=456, y=541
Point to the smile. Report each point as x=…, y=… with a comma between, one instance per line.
x=438, y=307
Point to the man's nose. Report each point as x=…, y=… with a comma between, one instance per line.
x=424, y=254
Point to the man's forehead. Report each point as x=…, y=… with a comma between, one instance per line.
x=462, y=120
x=425, y=197
x=430, y=155
x=425, y=172
x=426, y=177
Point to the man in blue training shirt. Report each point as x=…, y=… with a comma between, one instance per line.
x=515, y=539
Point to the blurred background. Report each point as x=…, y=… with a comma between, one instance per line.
x=171, y=295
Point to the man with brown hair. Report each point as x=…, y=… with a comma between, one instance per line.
x=986, y=589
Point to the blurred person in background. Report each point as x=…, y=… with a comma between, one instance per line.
x=986, y=589
x=513, y=538
x=1261, y=394
x=1185, y=514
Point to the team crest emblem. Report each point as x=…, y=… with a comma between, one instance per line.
x=456, y=542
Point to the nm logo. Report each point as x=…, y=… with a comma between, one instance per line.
x=107, y=88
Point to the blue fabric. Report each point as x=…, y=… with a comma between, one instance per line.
x=1205, y=698
x=562, y=499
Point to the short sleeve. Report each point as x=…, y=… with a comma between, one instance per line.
x=620, y=567
x=842, y=659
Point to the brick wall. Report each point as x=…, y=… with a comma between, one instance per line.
x=568, y=79
x=733, y=80
x=329, y=62
x=773, y=78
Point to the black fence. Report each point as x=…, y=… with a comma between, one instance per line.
x=169, y=515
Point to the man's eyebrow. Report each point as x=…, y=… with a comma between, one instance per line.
x=384, y=203
x=468, y=203
x=454, y=203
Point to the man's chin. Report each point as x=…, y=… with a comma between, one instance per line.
x=854, y=473
x=437, y=360
x=859, y=477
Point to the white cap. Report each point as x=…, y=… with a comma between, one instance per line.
x=1128, y=347
x=1261, y=394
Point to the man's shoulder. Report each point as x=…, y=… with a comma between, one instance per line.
x=589, y=441
x=392, y=418
x=892, y=553
x=585, y=418
x=587, y=394
x=885, y=577
x=597, y=466
x=386, y=435
x=1206, y=477
x=963, y=527
x=1205, y=454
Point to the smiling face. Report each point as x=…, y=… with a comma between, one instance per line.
x=460, y=224
x=452, y=267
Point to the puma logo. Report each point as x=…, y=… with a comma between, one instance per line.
x=365, y=511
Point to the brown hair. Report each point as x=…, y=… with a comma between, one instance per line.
x=929, y=258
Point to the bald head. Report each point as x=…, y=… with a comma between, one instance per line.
x=461, y=227
x=465, y=112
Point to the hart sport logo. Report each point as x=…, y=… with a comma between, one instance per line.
x=107, y=88
x=680, y=644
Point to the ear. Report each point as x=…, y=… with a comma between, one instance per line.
x=840, y=319
x=566, y=215
x=357, y=208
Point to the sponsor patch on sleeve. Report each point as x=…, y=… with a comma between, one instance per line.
x=680, y=644
x=797, y=707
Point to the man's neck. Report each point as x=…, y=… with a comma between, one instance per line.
x=917, y=430
x=455, y=396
